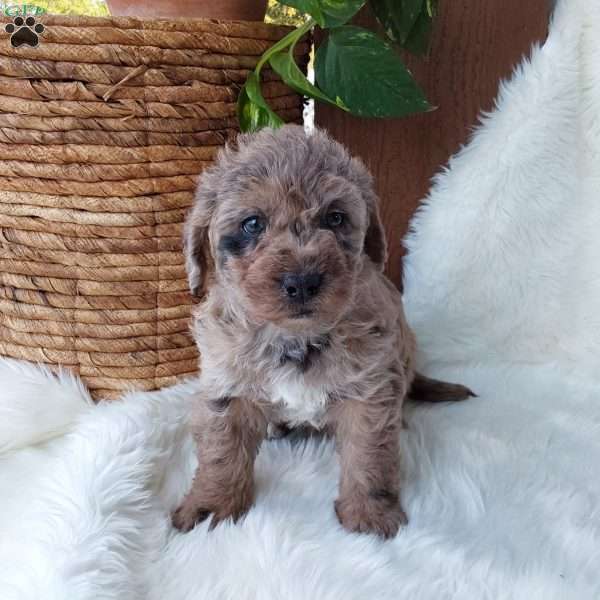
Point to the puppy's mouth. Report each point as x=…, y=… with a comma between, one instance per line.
x=304, y=313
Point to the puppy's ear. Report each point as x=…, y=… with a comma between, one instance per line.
x=375, y=245
x=375, y=242
x=198, y=259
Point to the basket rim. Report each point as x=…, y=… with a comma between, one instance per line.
x=182, y=24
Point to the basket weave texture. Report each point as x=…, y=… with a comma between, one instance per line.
x=104, y=128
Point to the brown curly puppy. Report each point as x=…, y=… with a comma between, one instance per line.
x=299, y=325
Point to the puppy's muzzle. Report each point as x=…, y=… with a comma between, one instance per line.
x=301, y=288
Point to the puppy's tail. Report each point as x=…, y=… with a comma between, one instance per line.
x=36, y=404
x=425, y=389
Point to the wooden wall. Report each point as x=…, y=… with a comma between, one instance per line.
x=475, y=44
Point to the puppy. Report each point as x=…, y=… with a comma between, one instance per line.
x=298, y=326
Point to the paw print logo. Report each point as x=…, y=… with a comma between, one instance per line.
x=24, y=31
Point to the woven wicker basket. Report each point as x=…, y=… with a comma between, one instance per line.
x=103, y=129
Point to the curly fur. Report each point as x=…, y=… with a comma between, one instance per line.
x=344, y=365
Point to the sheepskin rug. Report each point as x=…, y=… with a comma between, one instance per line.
x=502, y=491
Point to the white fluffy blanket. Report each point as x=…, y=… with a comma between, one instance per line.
x=502, y=491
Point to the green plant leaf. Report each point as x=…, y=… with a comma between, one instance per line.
x=338, y=12
x=367, y=76
x=284, y=65
x=398, y=17
x=252, y=109
x=407, y=22
x=431, y=6
x=327, y=13
x=419, y=39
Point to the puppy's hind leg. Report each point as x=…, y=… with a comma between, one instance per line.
x=425, y=389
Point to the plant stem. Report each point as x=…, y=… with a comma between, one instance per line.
x=291, y=39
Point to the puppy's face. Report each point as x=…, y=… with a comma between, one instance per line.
x=287, y=234
x=292, y=254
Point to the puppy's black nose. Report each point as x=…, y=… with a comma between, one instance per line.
x=301, y=287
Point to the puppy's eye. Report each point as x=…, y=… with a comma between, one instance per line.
x=335, y=219
x=253, y=225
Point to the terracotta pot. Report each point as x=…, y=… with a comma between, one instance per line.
x=244, y=10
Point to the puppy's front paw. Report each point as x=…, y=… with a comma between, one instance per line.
x=195, y=509
x=189, y=514
x=379, y=512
